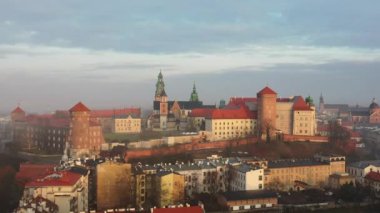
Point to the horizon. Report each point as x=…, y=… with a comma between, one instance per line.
x=53, y=56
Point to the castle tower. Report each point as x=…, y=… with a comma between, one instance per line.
x=266, y=108
x=18, y=115
x=19, y=128
x=79, y=130
x=194, y=94
x=160, y=95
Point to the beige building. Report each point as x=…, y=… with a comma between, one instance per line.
x=114, y=185
x=304, y=122
x=127, y=124
x=170, y=188
x=283, y=174
x=230, y=123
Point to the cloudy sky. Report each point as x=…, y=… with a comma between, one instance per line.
x=54, y=53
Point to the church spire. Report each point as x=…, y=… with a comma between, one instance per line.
x=194, y=94
x=321, y=100
x=160, y=86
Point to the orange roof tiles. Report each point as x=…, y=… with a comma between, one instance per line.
x=79, y=107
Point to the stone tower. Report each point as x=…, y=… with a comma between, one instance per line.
x=79, y=130
x=194, y=94
x=266, y=108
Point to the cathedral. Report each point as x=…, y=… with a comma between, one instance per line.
x=172, y=115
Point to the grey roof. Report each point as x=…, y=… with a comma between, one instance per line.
x=250, y=194
x=244, y=168
x=294, y=163
x=183, y=105
x=182, y=167
x=364, y=164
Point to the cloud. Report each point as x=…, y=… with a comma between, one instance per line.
x=75, y=62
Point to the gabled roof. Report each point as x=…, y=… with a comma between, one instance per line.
x=266, y=91
x=300, y=104
x=18, y=110
x=79, y=107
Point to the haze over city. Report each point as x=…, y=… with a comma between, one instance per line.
x=56, y=53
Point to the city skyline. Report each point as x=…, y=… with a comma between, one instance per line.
x=109, y=56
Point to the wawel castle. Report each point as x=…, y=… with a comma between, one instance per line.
x=263, y=115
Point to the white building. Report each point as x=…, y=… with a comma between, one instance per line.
x=247, y=177
x=360, y=169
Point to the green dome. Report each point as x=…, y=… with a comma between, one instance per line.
x=309, y=100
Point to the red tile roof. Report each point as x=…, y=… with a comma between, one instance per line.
x=18, y=110
x=63, y=178
x=239, y=113
x=115, y=112
x=191, y=209
x=300, y=104
x=79, y=107
x=373, y=176
x=28, y=172
x=266, y=91
x=200, y=112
